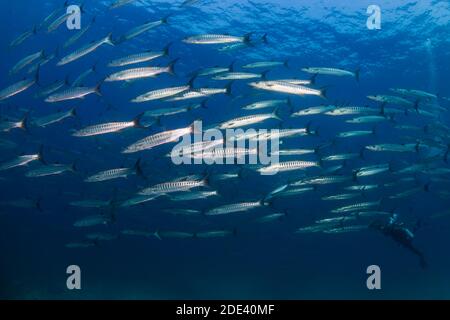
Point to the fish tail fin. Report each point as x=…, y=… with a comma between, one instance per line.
x=165, y=19
x=235, y=231
x=137, y=121
x=264, y=38
x=23, y=124
x=157, y=235
x=171, y=66
x=66, y=81
x=37, y=75
x=138, y=168
x=276, y=115
x=355, y=176
x=357, y=73
x=39, y=205
x=74, y=166
x=109, y=39
x=417, y=147
x=166, y=50
x=98, y=88
x=323, y=93
x=374, y=130
x=290, y=105
x=361, y=153
x=240, y=173
x=308, y=128
x=206, y=180
x=266, y=202
x=191, y=81
x=73, y=112
x=313, y=78
x=41, y=154
x=228, y=88
x=247, y=38
x=264, y=75
x=231, y=66
x=416, y=105
x=203, y=104
x=95, y=66
x=286, y=63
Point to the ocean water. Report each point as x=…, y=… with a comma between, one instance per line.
x=260, y=260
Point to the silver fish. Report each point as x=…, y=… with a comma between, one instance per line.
x=78, y=35
x=50, y=170
x=357, y=207
x=160, y=94
x=158, y=139
x=142, y=28
x=73, y=93
x=6, y=126
x=116, y=173
x=289, y=88
x=17, y=88
x=54, y=118
x=288, y=166
x=119, y=3
x=215, y=234
x=332, y=72
x=139, y=57
x=194, y=196
x=265, y=64
x=174, y=186
x=48, y=90
x=26, y=61
x=22, y=37
x=265, y=104
x=85, y=50
x=90, y=203
x=109, y=127
x=139, y=73
x=216, y=39
x=233, y=208
x=91, y=221
x=20, y=161
x=248, y=120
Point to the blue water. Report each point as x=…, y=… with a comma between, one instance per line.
x=263, y=261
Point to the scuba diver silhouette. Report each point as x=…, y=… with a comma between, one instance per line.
x=401, y=234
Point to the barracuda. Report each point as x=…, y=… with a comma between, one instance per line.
x=216, y=39
x=357, y=207
x=140, y=73
x=289, y=88
x=233, y=208
x=332, y=72
x=288, y=166
x=248, y=120
x=85, y=50
x=109, y=127
x=140, y=57
x=174, y=186
x=158, y=139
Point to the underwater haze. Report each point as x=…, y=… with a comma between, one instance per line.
x=358, y=95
